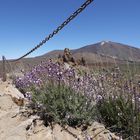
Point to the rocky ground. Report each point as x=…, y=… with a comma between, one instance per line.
x=15, y=124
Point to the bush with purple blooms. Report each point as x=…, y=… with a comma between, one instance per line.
x=61, y=104
x=121, y=114
x=64, y=96
x=43, y=74
x=58, y=94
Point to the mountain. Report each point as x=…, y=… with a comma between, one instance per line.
x=101, y=52
x=112, y=49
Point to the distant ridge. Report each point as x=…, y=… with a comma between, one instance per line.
x=101, y=52
x=112, y=49
x=103, y=49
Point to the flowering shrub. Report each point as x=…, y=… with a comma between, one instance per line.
x=48, y=72
x=119, y=109
x=42, y=74
x=60, y=104
x=121, y=114
x=60, y=94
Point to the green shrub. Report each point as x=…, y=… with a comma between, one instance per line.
x=121, y=114
x=60, y=104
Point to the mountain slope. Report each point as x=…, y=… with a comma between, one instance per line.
x=112, y=49
x=105, y=51
x=102, y=52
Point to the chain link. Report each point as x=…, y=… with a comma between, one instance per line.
x=73, y=15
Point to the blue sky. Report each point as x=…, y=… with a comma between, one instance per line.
x=24, y=23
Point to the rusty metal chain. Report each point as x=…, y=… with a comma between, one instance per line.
x=58, y=28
